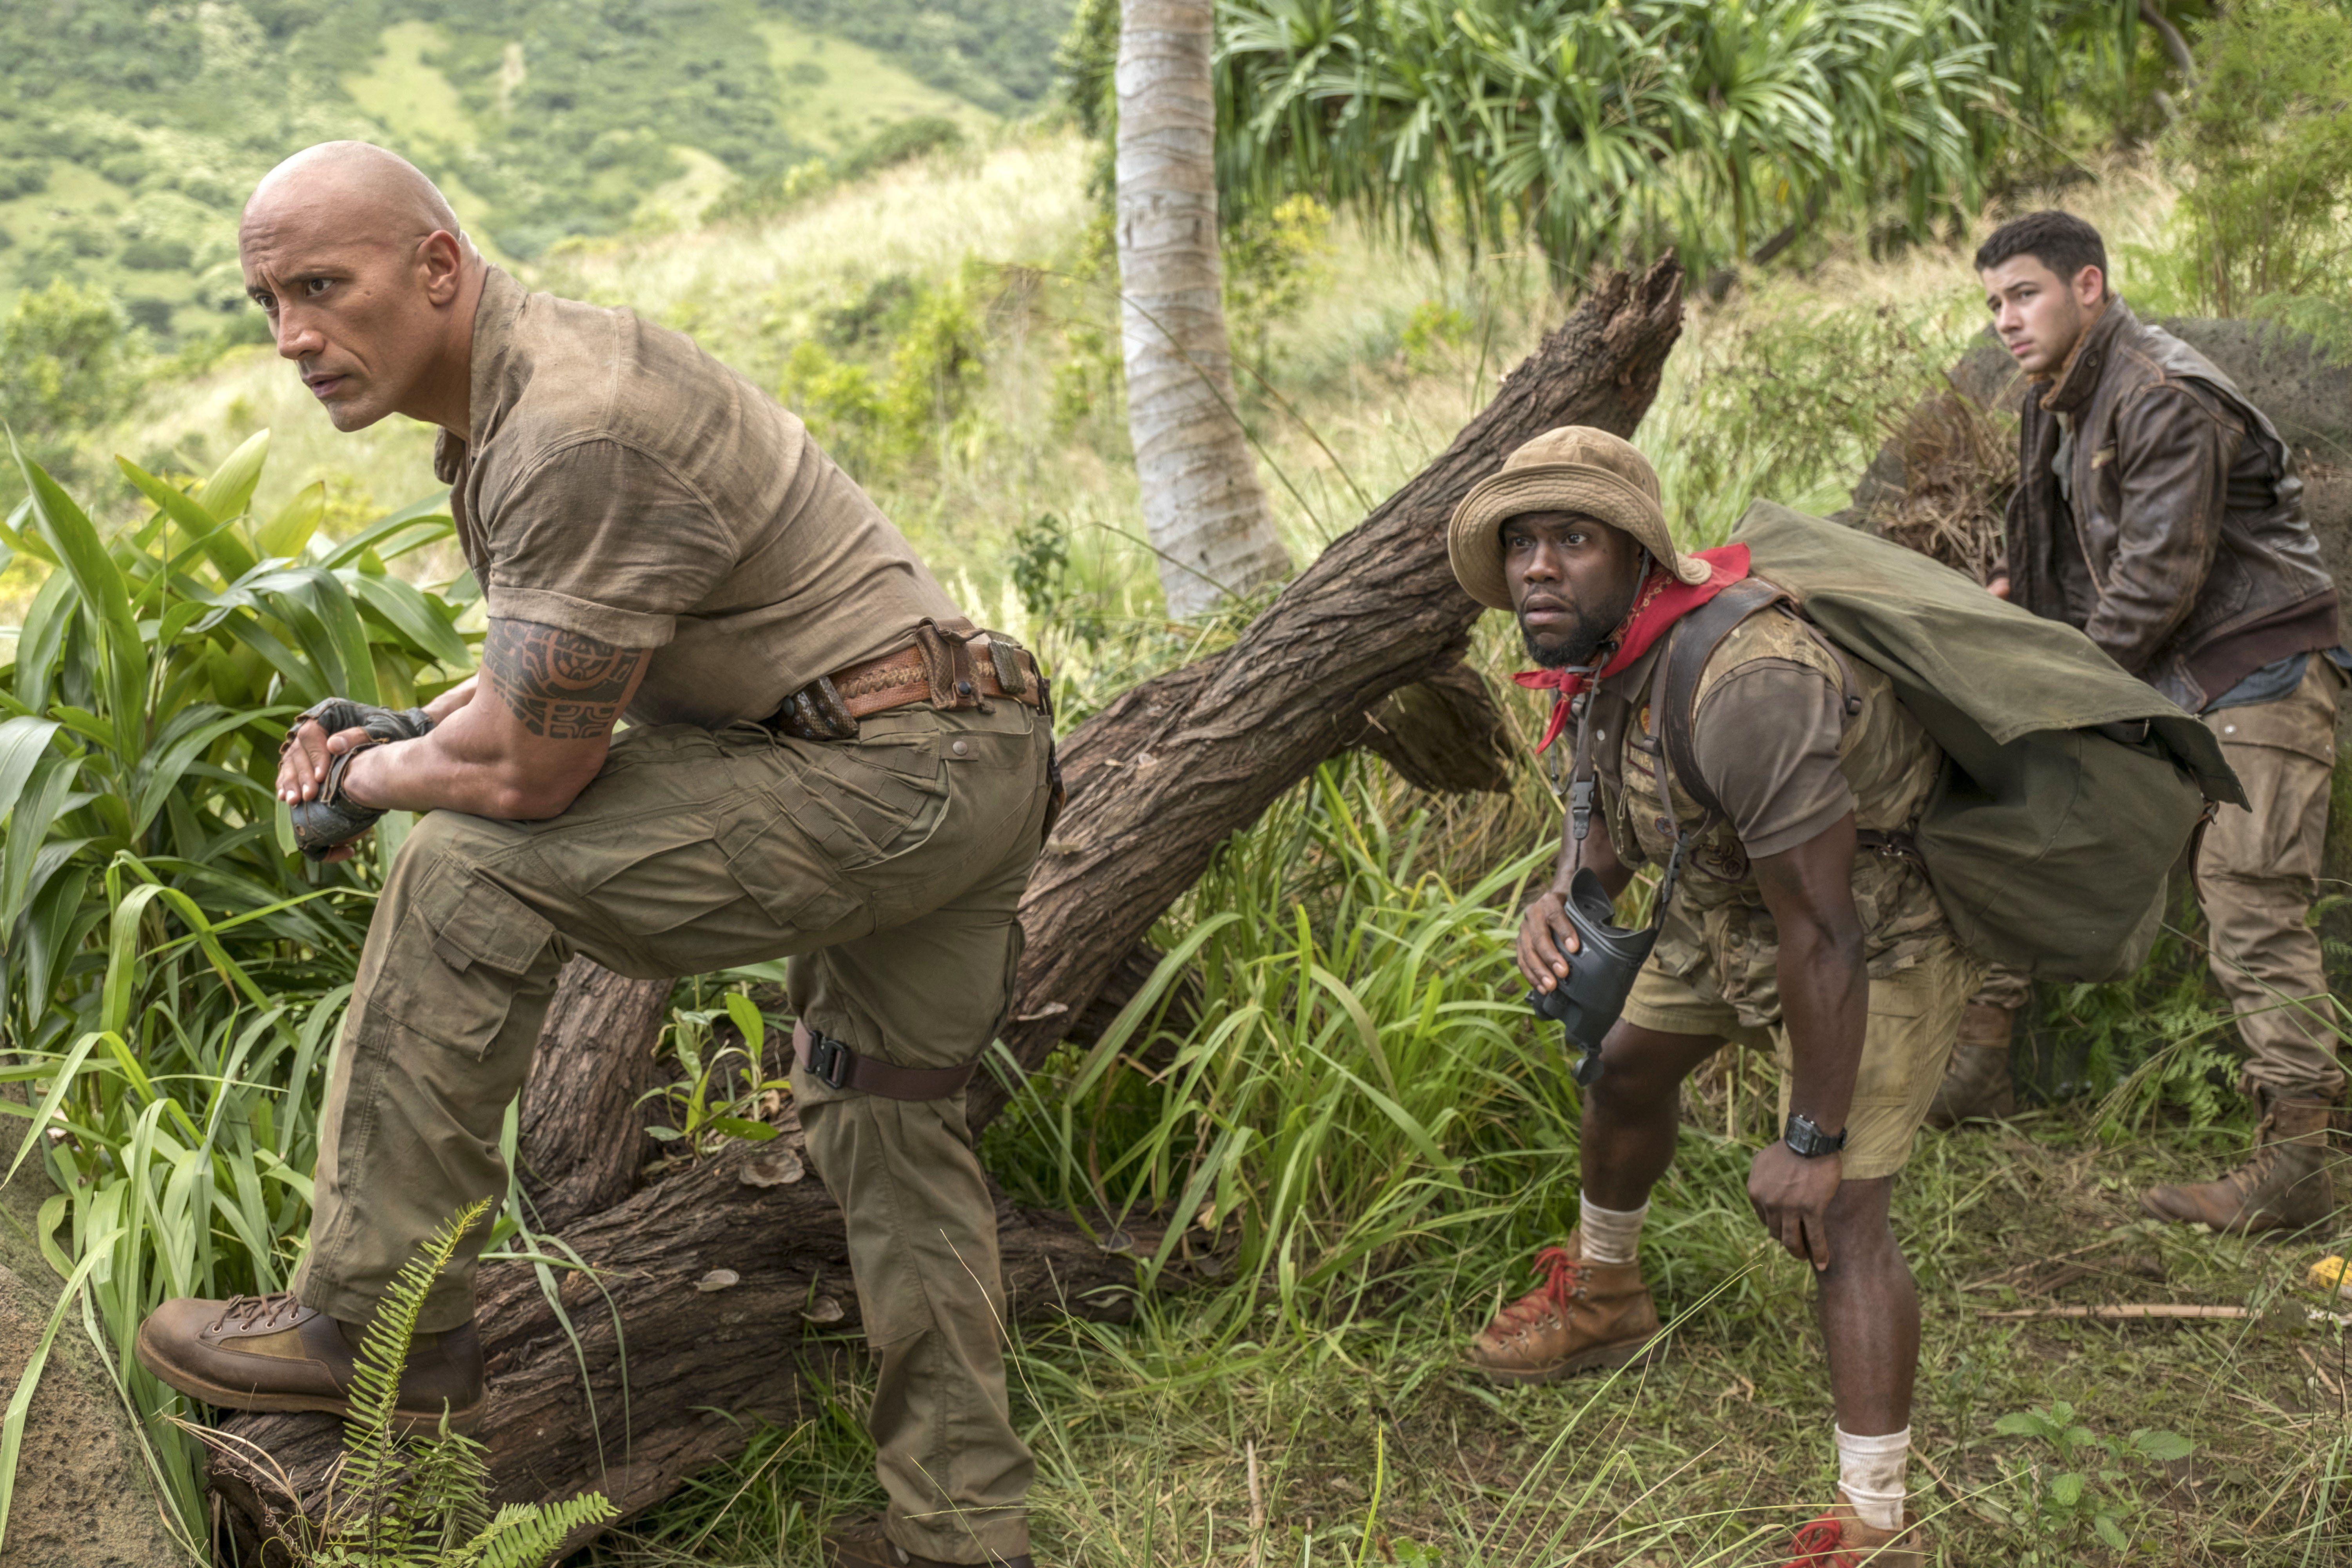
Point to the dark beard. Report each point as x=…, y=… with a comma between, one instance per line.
x=1593, y=632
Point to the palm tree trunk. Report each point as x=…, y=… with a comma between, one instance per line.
x=1201, y=505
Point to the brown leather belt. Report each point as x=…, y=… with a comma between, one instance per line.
x=945, y=668
x=833, y=1064
x=897, y=679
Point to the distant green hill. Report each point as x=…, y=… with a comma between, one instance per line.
x=130, y=131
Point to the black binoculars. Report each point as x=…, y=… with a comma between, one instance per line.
x=1600, y=974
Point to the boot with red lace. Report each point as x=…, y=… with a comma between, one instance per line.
x=1582, y=1317
x=1840, y=1539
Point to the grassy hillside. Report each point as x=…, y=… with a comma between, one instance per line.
x=130, y=133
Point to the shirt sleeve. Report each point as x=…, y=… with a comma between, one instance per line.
x=1767, y=738
x=602, y=540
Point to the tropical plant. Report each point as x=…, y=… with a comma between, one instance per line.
x=411, y=1503
x=719, y=1097
x=1202, y=507
x=171, y=971
x=2267, y=141
x=1580, y=127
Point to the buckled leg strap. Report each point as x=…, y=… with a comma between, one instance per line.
x=835, y=1065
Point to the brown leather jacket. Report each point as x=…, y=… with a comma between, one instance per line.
x=2186, y=511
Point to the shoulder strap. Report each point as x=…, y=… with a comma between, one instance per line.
x=1693, y=642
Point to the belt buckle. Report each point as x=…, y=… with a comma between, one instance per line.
x=830, y=1062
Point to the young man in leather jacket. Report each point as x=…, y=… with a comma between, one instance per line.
x=2160, y=511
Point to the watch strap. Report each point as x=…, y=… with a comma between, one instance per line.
x=1810, y=1140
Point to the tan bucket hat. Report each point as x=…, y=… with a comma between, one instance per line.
x=1573, y=468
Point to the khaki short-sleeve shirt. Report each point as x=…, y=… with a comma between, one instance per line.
x=618, y=483
x=1776, y=746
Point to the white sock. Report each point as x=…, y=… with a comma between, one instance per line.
x=1870, y=1473
x=1611, y=1235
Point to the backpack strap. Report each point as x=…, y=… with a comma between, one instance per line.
x=1674, y=696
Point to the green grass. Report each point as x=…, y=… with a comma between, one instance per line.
x=1378, y=1134
x=1345, y=1240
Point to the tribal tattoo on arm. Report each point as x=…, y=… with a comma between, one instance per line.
x=562, y=685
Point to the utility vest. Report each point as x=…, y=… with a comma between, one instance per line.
x=1716, y=934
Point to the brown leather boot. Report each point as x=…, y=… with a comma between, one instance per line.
x=2285, y=1187
x=1583, y=1316
x=862, y=1545
x=271, y=1352
x=1977, y=1084
x=1839, y=1539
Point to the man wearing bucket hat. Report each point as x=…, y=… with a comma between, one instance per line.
x=1774, y=932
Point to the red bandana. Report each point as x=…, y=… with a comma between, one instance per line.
x=1663, y=600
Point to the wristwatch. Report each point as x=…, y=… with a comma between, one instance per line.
x=1808, y=1140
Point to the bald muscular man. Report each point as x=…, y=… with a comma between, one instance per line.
x=823, y=760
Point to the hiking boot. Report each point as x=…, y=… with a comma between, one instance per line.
x=1839, y=1539
x=1977, y=1084
x=1583, y=1316
x=271, y=1352
x=862, y=1545
x=2285, y=1187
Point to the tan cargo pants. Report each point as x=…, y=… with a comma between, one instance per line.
x=2259, y=872
x=890, y=868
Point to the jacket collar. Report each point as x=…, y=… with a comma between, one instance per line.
x=489, y=393
x=2075, y=379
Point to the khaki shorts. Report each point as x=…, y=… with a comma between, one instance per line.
x=1914, y=1015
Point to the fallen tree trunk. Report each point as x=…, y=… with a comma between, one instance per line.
x=1166, y=773
x=723, y=1279
x=668, y=1320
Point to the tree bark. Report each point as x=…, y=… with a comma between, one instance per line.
x=1166, y=773
x=1203, y=507
x=724, y=1278
x=581, y=1124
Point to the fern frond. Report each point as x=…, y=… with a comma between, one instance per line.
x=525, y=1535
x=382, y=1500
x=449, y=1484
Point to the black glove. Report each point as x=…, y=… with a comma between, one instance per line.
x=334, y=819
x=337, y=714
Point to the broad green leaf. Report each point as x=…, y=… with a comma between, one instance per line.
x=2161, y=1445
x=2066, y=1488
x=123, y=652
x=160, y=772
x=41, y=639
x=407, y=611
x=68, y=1070
x=16, y=531
x=226, y=494
x=2111, y=1532
x=41, y=802
x=22, y=741
x=326, y=623
x=747, y=1017
x=297, y=520
x=434, y=511
x=737, y=1127
x=215, y=536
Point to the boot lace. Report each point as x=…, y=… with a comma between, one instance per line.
x=1819, y=1544
x=1562, y=1276
x=252, y=1313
